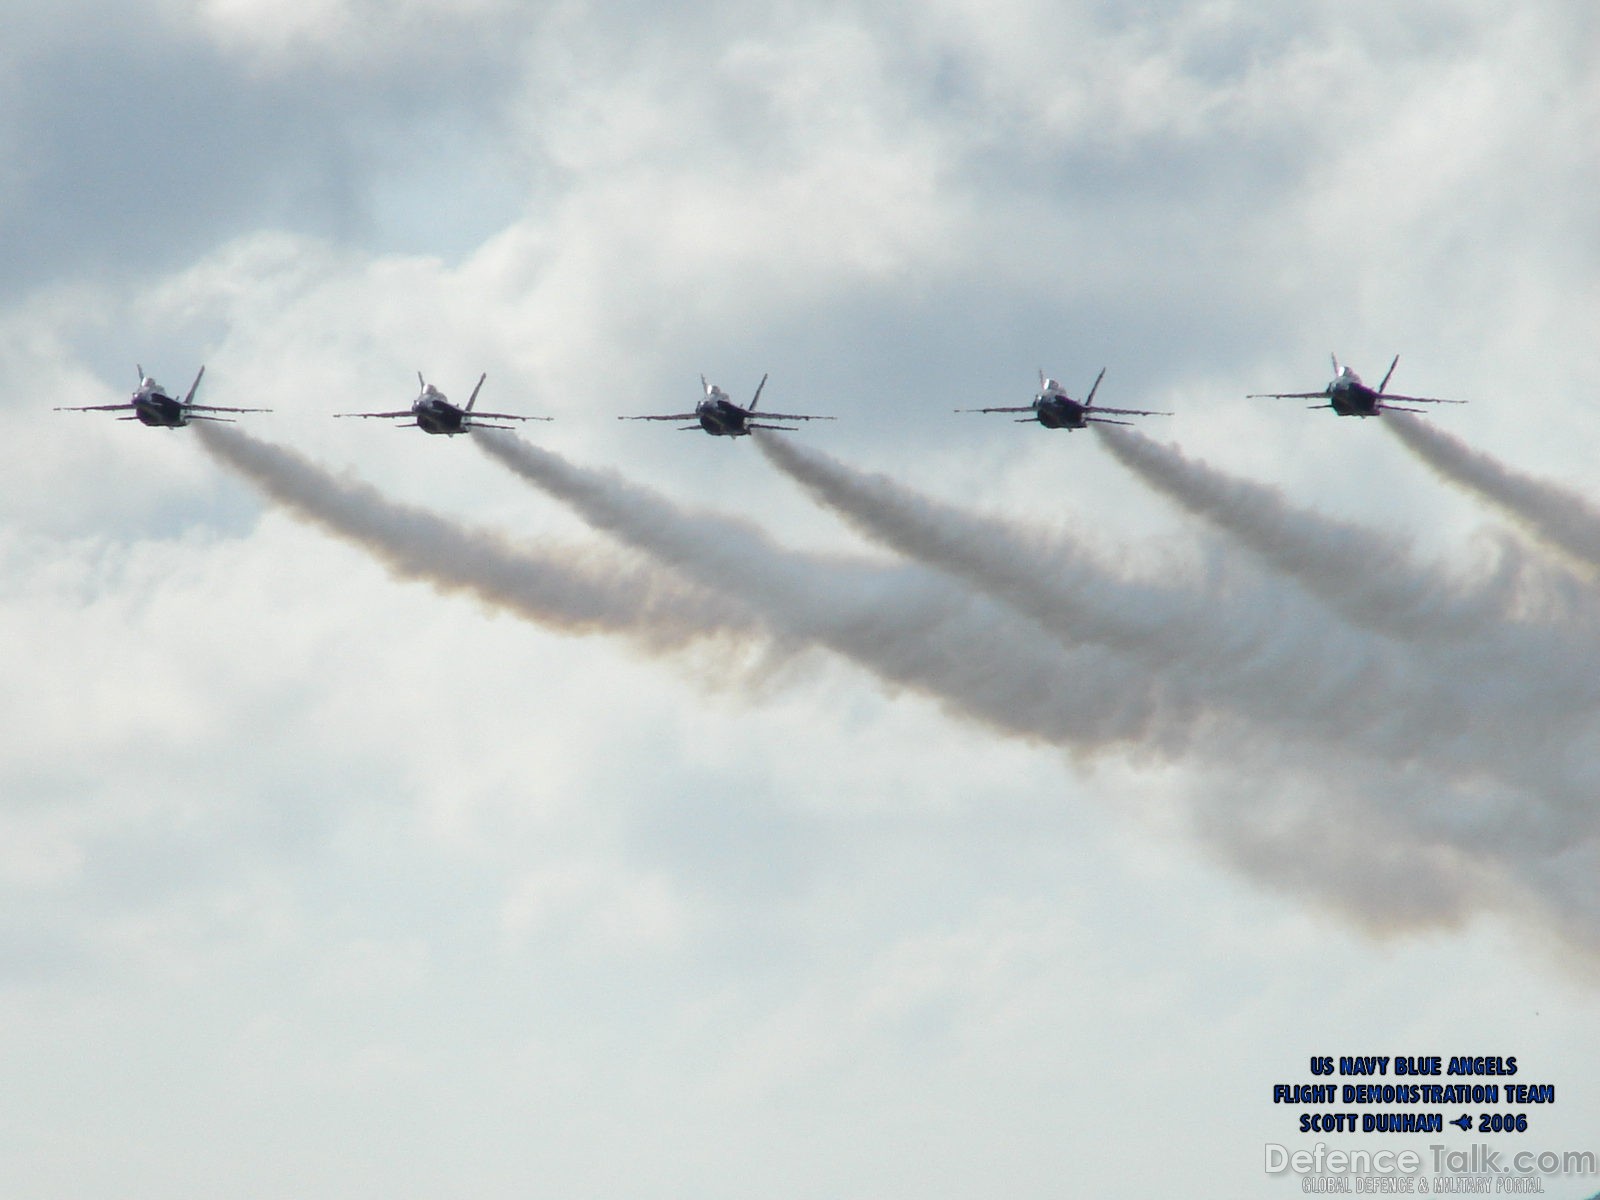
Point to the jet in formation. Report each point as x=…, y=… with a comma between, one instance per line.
x=1349, y=397
x=154, y=407
x=721, y=417
x=1054, y=409
x=432, y=412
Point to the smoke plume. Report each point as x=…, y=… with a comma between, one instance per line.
x=905, y=625
x=570, y=590
x=1424, y=837
x=1406, y=780
x=1558, y=516
x=1371, y=578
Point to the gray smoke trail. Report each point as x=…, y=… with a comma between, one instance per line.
x=1514, y=696
x=1370, y=578
x=1193, y=633
x=567, y=590
x=1301, y=818
x=908, y=627
x=1280, y=665
x=1558, y=516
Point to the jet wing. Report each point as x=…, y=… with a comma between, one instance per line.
x=688, y=416
x=404, y=413
x=1385, y=397
x=97, y=408
x=1322, y=395
x=218, y=408
x=1028, y=408
x=479, y=416
x=1129, y=412
x=772, y=416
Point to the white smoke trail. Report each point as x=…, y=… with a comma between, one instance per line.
x=1282, y=665
x=1509, y=675
x=907, y=626
x=1302, y=817
x=1197, y=632
x=910, y=630
x=568, y=590
x=1370, y=578
x=1558, y=516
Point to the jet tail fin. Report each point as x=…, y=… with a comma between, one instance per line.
x=194, y=387
x=1388, y=373
x=1089, y=402
x=473, y=399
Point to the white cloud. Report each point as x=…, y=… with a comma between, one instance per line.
x=342, y=33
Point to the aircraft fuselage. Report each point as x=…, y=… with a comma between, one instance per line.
x=157, y=409
x=722, y=418
x=1349, y=397
x=1060, y=412
x=437, y=415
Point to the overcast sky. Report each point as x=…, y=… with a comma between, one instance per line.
x=319, y=881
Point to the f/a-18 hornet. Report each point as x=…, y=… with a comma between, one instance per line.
x=721, y=417
x=154, y=407
x=1054, y=409
x=434, y=413
x=1349, y=397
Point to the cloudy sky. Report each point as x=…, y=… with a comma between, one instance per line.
x=799, y=867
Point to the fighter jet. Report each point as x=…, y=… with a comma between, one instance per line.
x=434, y=413
x=153, y=406
x=1349, y=397
x=721, y=417
x=1054, y=409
